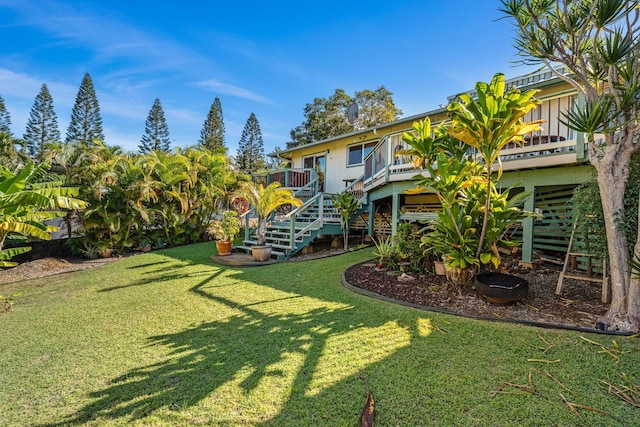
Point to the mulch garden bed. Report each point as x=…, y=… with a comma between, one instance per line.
x=579, y=306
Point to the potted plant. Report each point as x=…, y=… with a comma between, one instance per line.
x=264, y=201
x=144, y=245
x=225, y=230
x=104, y=248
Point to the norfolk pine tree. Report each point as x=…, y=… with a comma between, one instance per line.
x=9, y=154
x=42, y=126
x=250, y=158
x=156, y=131
x=598, y=41
x=5, y=118
x=86, y=122
x=212, y=133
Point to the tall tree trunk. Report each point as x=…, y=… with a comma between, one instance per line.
x=345, y=236
x=613, y=172
x=634, y=286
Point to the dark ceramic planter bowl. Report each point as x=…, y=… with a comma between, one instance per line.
x=501, y=288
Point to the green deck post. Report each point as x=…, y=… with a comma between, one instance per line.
x=371, y=213
x=395, y=212
x=527, y=226
x=246, y=226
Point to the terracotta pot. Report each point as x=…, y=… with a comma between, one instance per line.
x=224, y=247
x=105, y=253
x=439, y=267
x=261, y=253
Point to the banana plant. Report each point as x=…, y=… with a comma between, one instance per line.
x=26, y=203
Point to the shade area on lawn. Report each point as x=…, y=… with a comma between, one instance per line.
x=168, y=338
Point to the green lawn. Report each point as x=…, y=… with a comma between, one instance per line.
x=167, y=338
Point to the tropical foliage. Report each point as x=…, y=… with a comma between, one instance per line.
x=225, y=228
x=475, y=215
x=27, y=200
x=165, y=198
x=405, y=247
x=132, y=199
x=488, y=123
x=384, y=251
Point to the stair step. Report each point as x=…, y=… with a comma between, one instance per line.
x=284, y=247
x=278, y=242
x=287, y=225
x=283, y=235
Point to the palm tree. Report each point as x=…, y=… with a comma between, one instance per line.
x=265, y=200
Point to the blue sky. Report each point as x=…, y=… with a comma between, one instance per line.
x=269, y=58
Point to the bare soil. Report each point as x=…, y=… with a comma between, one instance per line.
x=48, y=266
x=579, y=305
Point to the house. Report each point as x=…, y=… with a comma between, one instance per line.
x=550, y=164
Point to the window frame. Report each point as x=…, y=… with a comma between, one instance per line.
x=363, y=146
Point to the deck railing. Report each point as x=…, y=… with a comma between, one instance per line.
x=291, y=178
x=385, y=163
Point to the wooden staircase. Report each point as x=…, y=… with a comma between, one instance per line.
x=289, y=232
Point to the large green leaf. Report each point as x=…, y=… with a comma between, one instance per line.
x=26, y=229
x=7, y=254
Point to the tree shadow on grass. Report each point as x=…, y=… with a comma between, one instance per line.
x=283, y=324
x=251, y=351
x=163, y=271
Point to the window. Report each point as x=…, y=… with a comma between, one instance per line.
x=356, y=153
x=317, y=162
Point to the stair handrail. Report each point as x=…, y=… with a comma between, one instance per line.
x=311, y=185
x=246, y=215
x=305, y=206
x=317, y=223
x=317, y=200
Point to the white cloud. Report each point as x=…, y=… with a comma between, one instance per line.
x=108, y=36
x=19, y=85
x=232, y=90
